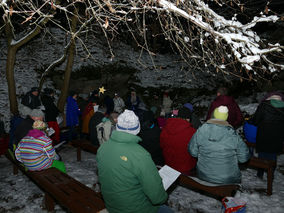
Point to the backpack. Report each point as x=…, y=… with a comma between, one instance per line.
x=104, y=130
x=250, y=132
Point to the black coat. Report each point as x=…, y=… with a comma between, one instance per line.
x=51, y=111
x=22, y=129
x=31, y=101
x=270, y=128
x=94, y=121
x=151, y=142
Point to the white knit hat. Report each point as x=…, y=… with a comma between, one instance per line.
x=128, y=122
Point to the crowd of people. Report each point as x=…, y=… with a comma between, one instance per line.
x=139, y=133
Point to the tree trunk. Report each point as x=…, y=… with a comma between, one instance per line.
x=68, y=69
x=11, y=57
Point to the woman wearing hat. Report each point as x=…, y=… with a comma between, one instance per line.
x=35, y=150
x=219, y=149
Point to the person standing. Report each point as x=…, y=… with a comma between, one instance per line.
x=219, y=149
x=174, y=140
x=31, y=99
x=51, y=113
x=72, y=114
x=129, y=179
x=167, y=105
x=235, y=117
x=118, y=103
x=133, y=101
x=269, y=119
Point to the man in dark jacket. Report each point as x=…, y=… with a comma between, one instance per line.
x=235, y=115
x=31, y=99
x=96, y=118
x=269, y=119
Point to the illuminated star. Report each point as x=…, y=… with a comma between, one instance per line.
x=102, y=90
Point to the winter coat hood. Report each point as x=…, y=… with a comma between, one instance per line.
x=216, y=132
x=176, y=125
x=35, y=133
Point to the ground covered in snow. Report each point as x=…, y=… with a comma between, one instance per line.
x=19, y=194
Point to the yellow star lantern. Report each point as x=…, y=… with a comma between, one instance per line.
x=102, y=90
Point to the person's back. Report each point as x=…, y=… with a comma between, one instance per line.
x=235, y=117
x=72, y=110
x=35, y=149
x=94, y=121
x=150, y=135
x=129, y=179
x=269, y=118
x=174, y=139
x=219, y=149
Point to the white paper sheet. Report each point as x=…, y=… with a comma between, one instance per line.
x=168, y=175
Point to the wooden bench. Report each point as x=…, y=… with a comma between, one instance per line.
x=268, y=165
x=183, y=180
x=217, y=191
x=58, y=186
x=82, y=144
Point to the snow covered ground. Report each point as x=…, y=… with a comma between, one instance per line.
x=19, y=194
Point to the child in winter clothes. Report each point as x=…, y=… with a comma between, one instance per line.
x=36, y=152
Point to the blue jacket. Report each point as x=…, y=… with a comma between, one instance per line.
x=72, y=112
x=219, y=149
x=250, y=131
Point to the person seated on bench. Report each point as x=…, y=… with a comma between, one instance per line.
x=129, y=179
x=219, y=149
x=269, y=119
x=22, y=127
x=174, y=140
x=36, y=152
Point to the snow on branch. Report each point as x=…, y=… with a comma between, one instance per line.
x=245, y=45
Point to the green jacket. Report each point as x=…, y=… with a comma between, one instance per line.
x=128, y=176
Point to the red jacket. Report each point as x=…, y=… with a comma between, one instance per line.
x=235, y=117
x=174, y=140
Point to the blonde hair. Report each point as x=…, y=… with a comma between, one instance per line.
x=40, y=125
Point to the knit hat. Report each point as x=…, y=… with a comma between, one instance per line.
x=274, y=97
x=36, y=113
x=189, y=106
x=39, y=125
x=33, y=89
x=128, y=122
x=221, y=113
x=48, y=91
x=184, y=113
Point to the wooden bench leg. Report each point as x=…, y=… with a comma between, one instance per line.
x=15, y=169
x=78, y=153
x=49, y=202
x=269, y=180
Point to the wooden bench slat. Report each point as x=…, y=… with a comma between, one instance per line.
x=219, y=191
